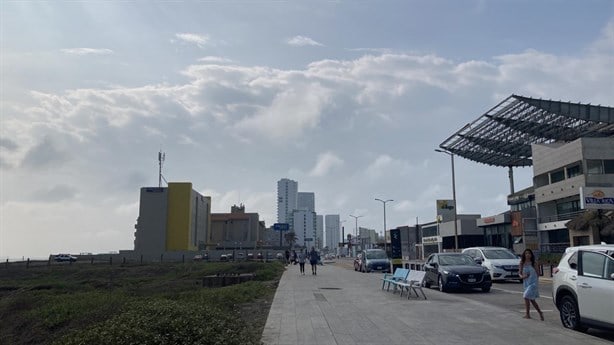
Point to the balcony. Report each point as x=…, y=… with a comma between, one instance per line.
x=559, y=217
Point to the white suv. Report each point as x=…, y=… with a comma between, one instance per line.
x=583, y=287
x=500, y=261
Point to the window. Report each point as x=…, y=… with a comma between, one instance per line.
x=593, y=264
x=568, y=207
x=594, y=166
x=573, y=261
x=608, y=166
x=557, y=176
x=541, y=180
x=574, y=171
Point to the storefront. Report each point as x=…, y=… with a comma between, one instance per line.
x=497, y=230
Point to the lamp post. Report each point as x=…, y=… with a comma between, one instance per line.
x=356, y=228
x=453, y=198
x=384, y=203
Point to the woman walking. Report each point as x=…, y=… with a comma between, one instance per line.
x=313, y=260
x=301, y=261
x=530, y=281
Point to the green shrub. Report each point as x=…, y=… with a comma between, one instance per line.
x=162, y=322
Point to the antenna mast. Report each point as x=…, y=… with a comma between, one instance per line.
x=161, y=157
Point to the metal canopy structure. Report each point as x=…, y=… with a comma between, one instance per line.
x=503, y=135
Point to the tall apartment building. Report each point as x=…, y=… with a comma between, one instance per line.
x=173, y=218
x=304, y=225
x=287, y=200
x=559, y=170
x=319, y=231
x=332, y=227
x=306, y=201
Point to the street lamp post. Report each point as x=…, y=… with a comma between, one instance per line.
x=384, y=204
x=453, y=198
x=356, y=228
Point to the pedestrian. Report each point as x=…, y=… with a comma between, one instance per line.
x=530, y=281
x=287, y=256
x=294, y=260
x=313, y=260
x=301, y=261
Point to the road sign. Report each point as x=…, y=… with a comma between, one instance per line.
x=281, y=226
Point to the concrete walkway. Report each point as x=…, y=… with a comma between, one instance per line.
x=340, y=306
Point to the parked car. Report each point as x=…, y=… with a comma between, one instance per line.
x=198, y=257
x=455, y=271
x=259, y=256
x=279, y=256
x=500, y=262
x=65, y=257
x=223, y=257
x=250, y=256
x=374, y=260
x=583, y=287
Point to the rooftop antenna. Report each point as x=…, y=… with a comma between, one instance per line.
x=161, y=158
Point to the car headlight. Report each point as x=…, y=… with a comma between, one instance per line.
x=450, y=273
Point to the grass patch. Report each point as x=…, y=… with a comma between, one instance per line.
x=148, y=304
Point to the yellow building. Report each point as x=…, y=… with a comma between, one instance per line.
x=173, y=218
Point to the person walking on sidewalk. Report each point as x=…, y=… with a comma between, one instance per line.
x=313, y=260
x=530, y=281
x=301, y=261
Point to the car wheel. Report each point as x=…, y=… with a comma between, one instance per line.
x=486, y=289
x=570, y=316
x=442, y=287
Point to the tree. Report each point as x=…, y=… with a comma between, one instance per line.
x=594, y=220
x=290, y=238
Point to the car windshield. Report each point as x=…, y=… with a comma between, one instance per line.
x=455, y=260
x=376, y=255
x=499, y=254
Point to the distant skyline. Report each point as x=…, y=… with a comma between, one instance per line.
x=348, y=98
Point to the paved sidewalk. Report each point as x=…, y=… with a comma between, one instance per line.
x=340, y=306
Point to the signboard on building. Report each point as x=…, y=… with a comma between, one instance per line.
x=431, y=240
x=445, y=210
x=281, y=226
x=597, y=198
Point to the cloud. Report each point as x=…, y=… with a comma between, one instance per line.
x=199, y=40
x=301, y=41
x=326, y=162
x=386, y=165
x=87, y=51
x=60, y=192
x=8, y=144
x=46, y=154
x=215, y=60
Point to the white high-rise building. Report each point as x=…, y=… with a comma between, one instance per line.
x=304, y=225
x=287, y=200
x=319, y=231
x=333, y=235
x=306, y=201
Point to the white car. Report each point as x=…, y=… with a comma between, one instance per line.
x=583, y=287
x=64, y=257
x=501, y=262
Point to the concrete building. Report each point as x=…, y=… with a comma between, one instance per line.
x=287, y=200
x=306, y=201
x=304, y=225
x=237, y=229
x=319, y=231
x=559, y=171
x=523, y=217
x=367, y=238
x=173, y=218
x=497, y=230
x=332, y=227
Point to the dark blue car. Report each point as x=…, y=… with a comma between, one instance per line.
x=455, y=271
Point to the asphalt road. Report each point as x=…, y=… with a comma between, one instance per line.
x=507, y=295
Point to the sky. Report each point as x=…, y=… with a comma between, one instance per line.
x=349, y=98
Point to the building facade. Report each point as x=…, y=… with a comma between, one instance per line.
x=319, y=231
x=332, y=224
x=287, y=200
x=559, y=171
x=237, y=229
x=173, y=218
